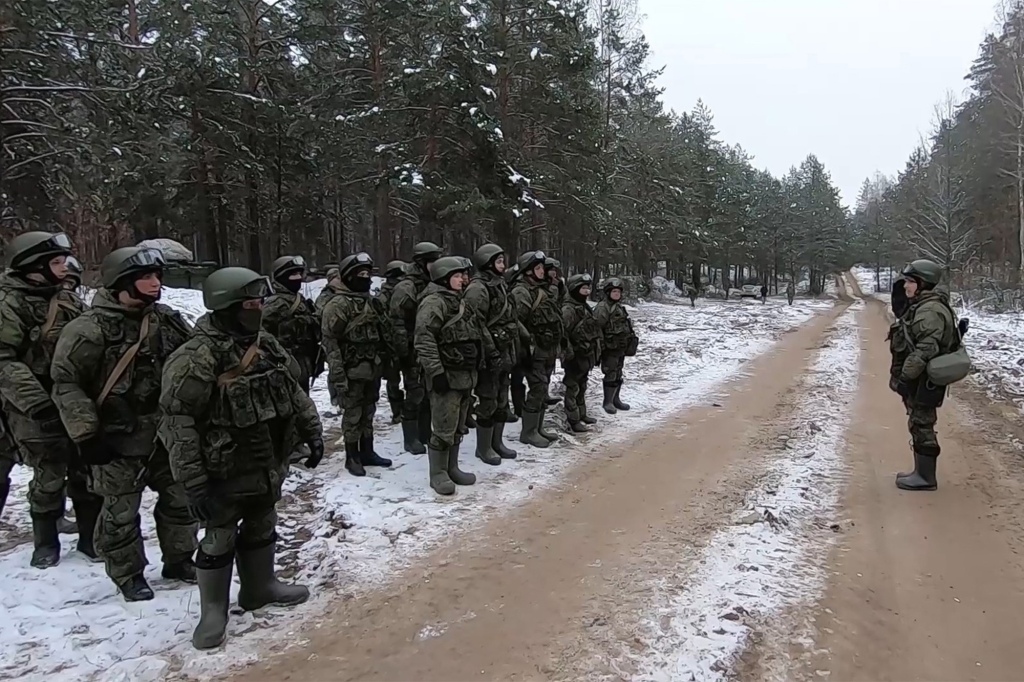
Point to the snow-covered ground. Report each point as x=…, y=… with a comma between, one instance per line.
x=342, y=535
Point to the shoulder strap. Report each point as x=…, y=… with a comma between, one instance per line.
x=125, y=361
x=296, y=303
x=952, y=320
x=457, y=317
x=501, y=313
x=247, y=359
x=538, y=299
x=51, y=314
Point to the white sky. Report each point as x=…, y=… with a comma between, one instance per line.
x=853, y=81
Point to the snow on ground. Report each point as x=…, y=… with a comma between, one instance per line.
x=340, y=534
x=773, y=557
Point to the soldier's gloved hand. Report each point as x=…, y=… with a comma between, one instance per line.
x=439, y=384
x=903, y=389
x=199, y=500
x=93, y=452
x=316, y=452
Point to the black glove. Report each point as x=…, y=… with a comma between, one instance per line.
x=199, y=501
x=439, y=384
x=93, y=452
x=903, y=389
x=316, y=452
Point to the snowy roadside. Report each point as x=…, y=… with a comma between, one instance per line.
x=773, y=557
x=343, y=535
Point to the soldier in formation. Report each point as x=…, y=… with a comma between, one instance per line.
x=330, y=290
x=292, y=318
x=618, y=340
x=106, y=384
x=582, y=350
x=393, y=273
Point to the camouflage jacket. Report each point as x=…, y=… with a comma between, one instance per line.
x=31, y=319
x=329, y=291
x=582, y=333
x=448, y=338
x=386, y=290
x=293, y=319
x=355, y=332
x=490, y=301
x=402, y=306
x=539, y=313
x=226, y=420
x=616, y=327
x=926, y=331
x=83, y=369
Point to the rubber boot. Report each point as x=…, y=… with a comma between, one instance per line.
x=578, y=427
x=923, y=477
x=584, y=417
x=5, y=490
x=369, y=456
x=619, y=405
x=87, y=512
x=544, y=433
x=423, y=425
x=552, y=400
x=609, y=398
x=396, y=412
x=214, y=595
x=440, y=481
x=182, y=571
x=484, y=437
x=65, y=526
x=354, y=459
x=136, y=589
x=411, y=438
x=471, y=422
x=44, y=537
x=300, y=453
x=498, y=442
x=258, y=586
x=458, y=476
x=511, y=417
x=529, y=435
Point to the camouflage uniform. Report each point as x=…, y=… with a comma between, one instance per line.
x=617, y=341
x=120, y=419
x=329, y=291
x=31, y=318
x=8, y=458
x=582, y=349
x=356, y=336
x=790, y=292
x=392, y=372
x=449, y=344
x=541, y=317
x=293, y=320
x=927, y=329
x=233, y=410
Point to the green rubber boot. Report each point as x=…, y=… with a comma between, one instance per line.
x=498, y=441
x=609, y=398
x=458, y=476
x=923, y=476
x=484, y=437
x=214, y=595
x=440, y=481
x=542, y=430
x=258, y=586
x=529, y=435
x=411, y=437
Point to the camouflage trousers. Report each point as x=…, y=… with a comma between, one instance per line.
x=538, y=369
x=611, y=365
x=306, y=371
x=921, y=422
x=492, y=392
x=789, y=297
x=393, y=385
x=54, y=476
x=118, y=530
x=575, y=381
x=415, y=392
x=246, y=521
x=447, y=412
x=358, y=404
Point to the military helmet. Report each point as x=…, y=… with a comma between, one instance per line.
x=467, y=262
x=486, y=255
x=227, y=286
x=552, y=263
x=395, y=267
x=427, y=252
x=443, y=268
x=927, y=271
x=530, y=259
x=286, y=265
x=332, y=273
x=129, y=260
x=511, y=273
x=29, y=248
x=575, y=282
x=75, y=269
x=349, y=264
x=612, y=283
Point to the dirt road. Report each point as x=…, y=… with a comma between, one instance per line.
x=920, y=586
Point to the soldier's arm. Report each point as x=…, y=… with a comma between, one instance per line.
x=428, y=323
x=478, y=304
x=307, y=419
x=77, y=356
x=17, y=383
x=927, y=331
x=602, y=313
x=333, y=323
x=274, y=313
x=568, y=320
x=179, y=328
x=185, y=391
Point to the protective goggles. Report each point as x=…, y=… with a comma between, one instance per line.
x=258, y=288
x=146, y=259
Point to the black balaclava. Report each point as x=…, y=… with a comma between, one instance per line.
x=575, y=293
x=242, y=323
x=292, y=285
x=357, y=283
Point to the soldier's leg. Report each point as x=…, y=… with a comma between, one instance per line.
x=500, y=417
x=570, y=379
x=7, y=461
x=370, y=458
x=414, y=397
x=254, y=555
x=620, y=361
x=444, y=416
x=608, y=369
x=921, y=423
x=536, y=400
x=549, y=370
x=118, y=531
x=487, y=387
x=49, y=462
x=581, y=399
x=518, y=388
x=175, y=528
x=352, y=425
x=86, y=503
x=214, y=565
x=394, y=391
x=458, y=476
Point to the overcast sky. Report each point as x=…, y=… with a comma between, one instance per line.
x=853, y=81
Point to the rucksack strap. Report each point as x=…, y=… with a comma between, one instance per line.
x=125, y=361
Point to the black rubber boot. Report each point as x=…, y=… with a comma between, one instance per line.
x=354, y=459
x=529, y=435
x=609, y=398
x=471, y=422
x=87, y=512
x=518, y=398
x=183, y=571
x=511, y=417
x=440, y=481
x=5, y=490
x=458, y=476
x=258, y=586
x=484, y=437
x=542, y=430
x=411, y=437
x=213, y=574
x=66, y=526
x=584, y=417
x=619, y=405
x=424, y=428
x=369, y=456
x=45, y=539
x=579, y=427
x=498, y=442
x=136, y=589
x=923, y=476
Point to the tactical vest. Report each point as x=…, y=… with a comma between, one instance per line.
x=52, y=316
x=544, y=321
x=586, y=332
x=619, y=330
x=364, y=340
x=501, y=319
x=459, y=341
x=300, y=328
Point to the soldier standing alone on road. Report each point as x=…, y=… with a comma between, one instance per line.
x=292, y=318
x=450, y=347
x=790, y=292
x=233, y=409
x=106, y=383
x=392, y=372
x=618, y=341
x=35, y=306
x=355, y=332
x=583, y=336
